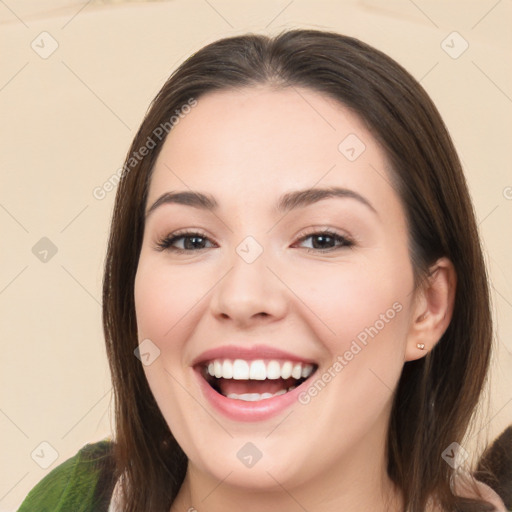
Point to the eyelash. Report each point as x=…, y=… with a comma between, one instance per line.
x=166, y=242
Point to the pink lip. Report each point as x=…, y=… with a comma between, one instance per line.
x=249, y=354
x=239, y=410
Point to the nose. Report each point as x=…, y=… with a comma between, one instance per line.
x=249, y=293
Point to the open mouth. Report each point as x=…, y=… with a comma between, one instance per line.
x=253, y=381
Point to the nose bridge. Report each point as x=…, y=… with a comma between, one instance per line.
x=249, y=288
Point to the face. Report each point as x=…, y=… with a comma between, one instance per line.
x=278, y=327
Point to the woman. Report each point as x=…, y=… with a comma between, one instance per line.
x=296, y=307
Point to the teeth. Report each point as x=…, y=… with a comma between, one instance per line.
x=250, y=397
x=286, y=370
x=273, y=370
x=240, y=369
x=218, y=369
x=255, y=397
x=307, y=370
x=297, y=371
x=258, y=370
x=227, y=369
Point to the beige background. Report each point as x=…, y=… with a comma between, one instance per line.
x=67, y=122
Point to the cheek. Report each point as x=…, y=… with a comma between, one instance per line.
x=164, y=297
x=361, y=317
x=357, y=302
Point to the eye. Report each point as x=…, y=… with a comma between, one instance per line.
x=191, y=241
x=326, y=241
x=195, y=241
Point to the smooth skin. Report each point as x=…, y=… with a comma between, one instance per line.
x=246, y=148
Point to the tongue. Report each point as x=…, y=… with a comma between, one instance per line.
x=240, y=387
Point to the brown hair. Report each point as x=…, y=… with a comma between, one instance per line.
x=437, y=395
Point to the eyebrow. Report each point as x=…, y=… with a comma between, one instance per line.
x=287, y=202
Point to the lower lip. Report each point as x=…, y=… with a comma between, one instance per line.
x=241, y=410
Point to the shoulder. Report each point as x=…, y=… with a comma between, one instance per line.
x=475, y=489
x=80, y=483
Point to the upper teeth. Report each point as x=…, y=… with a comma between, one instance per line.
x=239, y=369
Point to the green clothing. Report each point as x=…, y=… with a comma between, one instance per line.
x=82, y=483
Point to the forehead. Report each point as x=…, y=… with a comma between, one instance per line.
x=248, y=143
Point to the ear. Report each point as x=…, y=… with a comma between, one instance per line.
x=432, y=310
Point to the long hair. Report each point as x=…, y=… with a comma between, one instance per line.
x=437, y=395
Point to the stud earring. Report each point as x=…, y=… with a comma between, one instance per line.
x=421, y=346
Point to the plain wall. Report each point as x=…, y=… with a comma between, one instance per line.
x=66, y=124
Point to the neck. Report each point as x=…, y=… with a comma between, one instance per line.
x=224, y=497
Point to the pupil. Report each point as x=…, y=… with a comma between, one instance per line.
x=189, y=244
x=323, y=237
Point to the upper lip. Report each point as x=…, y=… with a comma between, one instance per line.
x=248, y=354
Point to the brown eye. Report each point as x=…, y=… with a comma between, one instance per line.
x=325, y=241
x=191, y=241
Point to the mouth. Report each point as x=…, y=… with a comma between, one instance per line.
x=254, y=380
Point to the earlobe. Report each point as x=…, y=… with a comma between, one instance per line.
x=433, y=310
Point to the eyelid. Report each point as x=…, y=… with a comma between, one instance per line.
x=319, y=229
x=165, y=243
x=348, y=240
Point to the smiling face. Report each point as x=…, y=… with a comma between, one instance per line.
x=268, y=291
